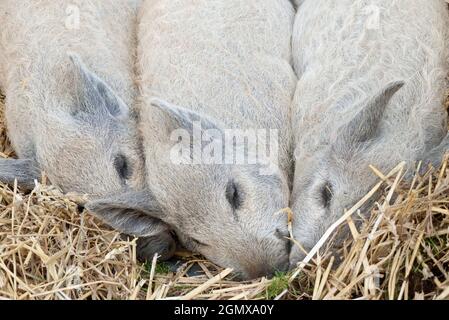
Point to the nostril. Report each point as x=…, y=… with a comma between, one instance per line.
x=282, y=234
x=285, y=237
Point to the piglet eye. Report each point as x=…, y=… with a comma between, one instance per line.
x=326, y=195
x=122, y=166
x=234, y=195
x=198, y=243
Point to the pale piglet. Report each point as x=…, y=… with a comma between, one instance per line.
x=67, y=71
x=372, y=81
x=207, y=67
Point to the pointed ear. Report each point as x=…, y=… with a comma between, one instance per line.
x=185, y=117
x=94, y=97
x=25, y=171
x=365, y=124
x=133, y=213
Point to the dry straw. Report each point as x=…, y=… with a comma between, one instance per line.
x=50, y=250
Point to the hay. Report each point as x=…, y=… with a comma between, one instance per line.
x=401, y=252
x=49, y=250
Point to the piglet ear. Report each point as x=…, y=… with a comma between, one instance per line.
x=364, y=126
x=185, y=118
x=95, y=99
x=25, y=171
x=133, y=213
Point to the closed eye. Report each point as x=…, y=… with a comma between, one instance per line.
x=234, y=195
x=326, y=195
x=122, y=167
x=198, y=243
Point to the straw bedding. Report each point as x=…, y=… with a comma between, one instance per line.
x=50, y=250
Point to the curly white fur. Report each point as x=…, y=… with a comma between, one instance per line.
x=346, y=54
x=70, y=119
x=229, y=62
